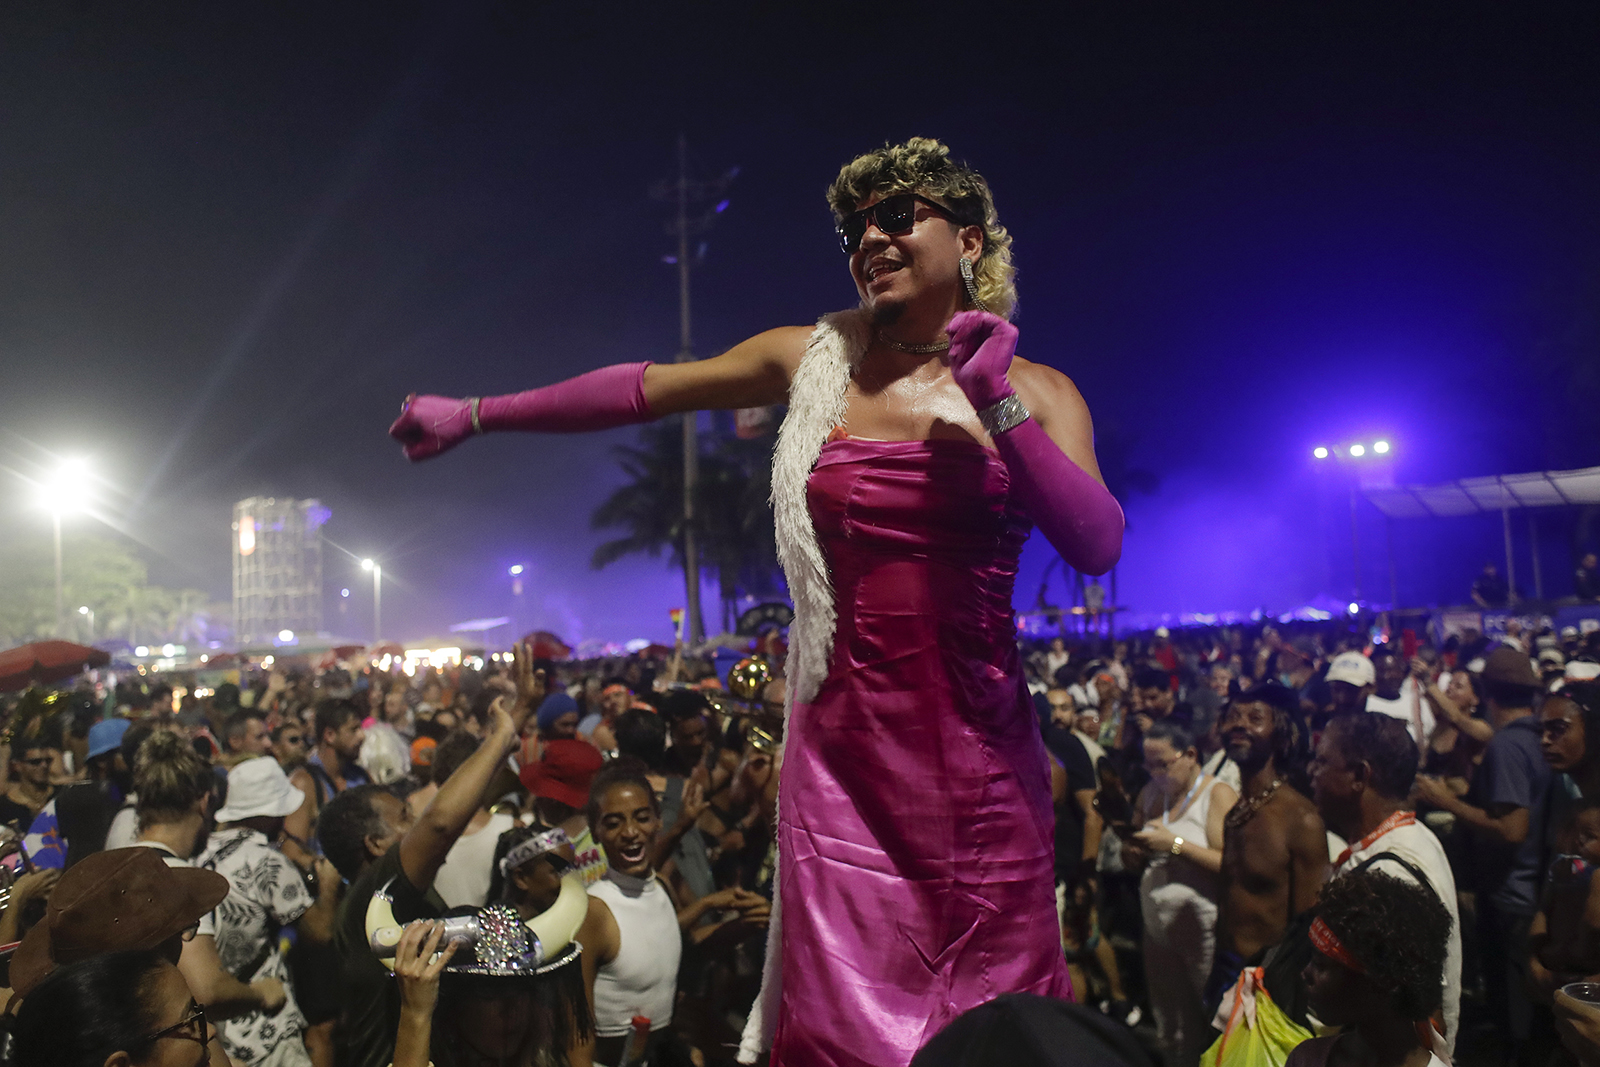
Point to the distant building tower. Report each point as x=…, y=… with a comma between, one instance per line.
x=277, y=568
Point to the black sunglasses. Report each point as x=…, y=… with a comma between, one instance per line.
x=892, y=215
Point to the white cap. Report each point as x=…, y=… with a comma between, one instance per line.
x=1161, y=631
x=1581, y=671
x=1352, y=667
x=258, y=788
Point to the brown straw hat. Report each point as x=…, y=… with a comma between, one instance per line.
x=114, y=901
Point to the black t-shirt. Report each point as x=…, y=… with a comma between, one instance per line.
x=371, y=1010
x=17, y=816
x=83, y=814
x=1069, y=817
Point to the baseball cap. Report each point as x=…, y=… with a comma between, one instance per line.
x=1510, y=666
x=1352, y=667
x=565, y=772
x=115, y=901
x=106, y=736
x=259, y=788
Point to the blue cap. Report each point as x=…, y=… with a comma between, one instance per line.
x=106, y=736
x=555, y=705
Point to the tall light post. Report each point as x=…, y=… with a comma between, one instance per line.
x=63, y=492
x=87, y=612
x=1357, y=452
x=377, y=598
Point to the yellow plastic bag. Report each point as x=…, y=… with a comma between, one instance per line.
x=1258, y=1033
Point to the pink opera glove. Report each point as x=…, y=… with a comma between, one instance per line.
x=1077, y=514
x=600, y=400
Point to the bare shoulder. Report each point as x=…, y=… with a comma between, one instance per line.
x=1052, y=398
x=601, y=926
x=787, y=343
x=1224, y=795
x=1047, y=382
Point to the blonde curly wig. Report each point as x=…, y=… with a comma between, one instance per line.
x=923, y=165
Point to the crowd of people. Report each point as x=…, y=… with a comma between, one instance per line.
x=1382, y=846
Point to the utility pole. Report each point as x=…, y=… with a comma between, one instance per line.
x=682, y=191
x=691, y=420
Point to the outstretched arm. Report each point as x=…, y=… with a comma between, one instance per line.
x=750, y=374
x=424, y=847
x=1050, y=452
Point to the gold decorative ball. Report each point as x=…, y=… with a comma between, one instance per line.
x=749, y=677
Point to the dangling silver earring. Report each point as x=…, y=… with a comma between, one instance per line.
x=971, y=284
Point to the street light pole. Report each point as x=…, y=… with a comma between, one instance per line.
x=87, y=612
x=377, y=597
x=61, y=621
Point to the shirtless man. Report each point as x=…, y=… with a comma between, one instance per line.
x=1275, y=849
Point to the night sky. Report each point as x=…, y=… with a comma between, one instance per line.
x=234, y=236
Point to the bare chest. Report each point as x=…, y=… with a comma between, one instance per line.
x=911, y=408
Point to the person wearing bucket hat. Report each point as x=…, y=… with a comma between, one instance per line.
x=84, y=811
x=115, y=901
x=267, y=892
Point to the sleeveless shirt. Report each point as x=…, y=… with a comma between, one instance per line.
x=643, y=979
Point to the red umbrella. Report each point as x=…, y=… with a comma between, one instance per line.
x=47, y=661
x=547, y=645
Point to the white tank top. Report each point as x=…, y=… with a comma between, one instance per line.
x=643, y=979
x=1190, y=824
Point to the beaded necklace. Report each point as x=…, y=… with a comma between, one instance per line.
x=1240, y=814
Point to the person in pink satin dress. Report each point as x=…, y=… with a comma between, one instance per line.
x=915, y=876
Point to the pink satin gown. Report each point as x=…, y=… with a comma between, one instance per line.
x=915, y=830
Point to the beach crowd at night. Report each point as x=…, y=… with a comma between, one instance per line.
x=1266, y=837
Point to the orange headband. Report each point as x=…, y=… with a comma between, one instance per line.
x=1323, y=941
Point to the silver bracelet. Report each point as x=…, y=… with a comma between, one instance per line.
x=472, y=408
x=1004, y=415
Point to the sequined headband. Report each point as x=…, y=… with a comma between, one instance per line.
x=1323, y=940
x=533, y=848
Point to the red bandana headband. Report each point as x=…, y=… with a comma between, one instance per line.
x=1323, y=941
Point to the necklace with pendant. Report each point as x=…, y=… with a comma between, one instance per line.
x=916, y=350
x=1240, y=814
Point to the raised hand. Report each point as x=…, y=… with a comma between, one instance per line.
x=429, y=425
x=418, y=969
x=981, y=347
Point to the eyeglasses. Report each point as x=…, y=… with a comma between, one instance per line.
x=191, y=1027
x=892, y=215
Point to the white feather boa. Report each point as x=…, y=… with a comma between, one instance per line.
x=816, y=407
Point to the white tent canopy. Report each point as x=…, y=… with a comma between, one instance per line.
x=1469, y=496
x=1502, y=493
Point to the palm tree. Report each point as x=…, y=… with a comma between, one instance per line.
x=733, y=518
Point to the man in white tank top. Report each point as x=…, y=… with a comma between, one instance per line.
x=632, y=967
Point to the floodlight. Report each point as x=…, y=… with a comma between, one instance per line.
x=366, y=564
x=516, y=569
x=1320, y=452
x=1380, y=447
x=1355, y=609
x=1358, y=451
